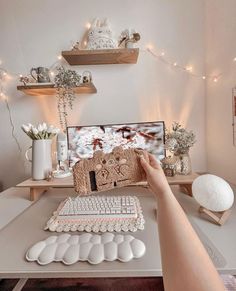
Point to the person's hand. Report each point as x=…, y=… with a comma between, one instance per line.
x=154, y=174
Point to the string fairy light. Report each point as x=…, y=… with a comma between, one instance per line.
x=149, y=48
x=188, y=69
x=88, y=25
x=3, y=75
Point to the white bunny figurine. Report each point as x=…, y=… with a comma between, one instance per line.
x=100, y=36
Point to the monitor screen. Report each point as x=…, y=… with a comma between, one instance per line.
x=84, y=140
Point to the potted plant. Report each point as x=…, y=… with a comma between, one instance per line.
x=179, y=141
x=65, y=82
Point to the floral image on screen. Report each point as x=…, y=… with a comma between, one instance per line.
x=83, y=141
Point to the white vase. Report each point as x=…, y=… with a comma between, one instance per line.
x=41, y=158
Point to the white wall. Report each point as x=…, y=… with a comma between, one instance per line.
x=32, y=33
x=221, y=50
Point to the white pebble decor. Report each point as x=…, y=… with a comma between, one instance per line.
x=213, y=193
x=93, y=248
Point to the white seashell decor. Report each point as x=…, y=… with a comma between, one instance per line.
x=213, y=193
x=93, y=248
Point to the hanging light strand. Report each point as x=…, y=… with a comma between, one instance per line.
x=188, y=69
x=3, y=74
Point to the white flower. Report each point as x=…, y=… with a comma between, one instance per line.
x=55, y=130
x=44, y=125
x=171, y=143
x=40, y=127
x=25, y=128
x=35, y=131
x=50, y=129
x=42, y=131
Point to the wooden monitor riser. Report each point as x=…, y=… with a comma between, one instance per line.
x=39, y=187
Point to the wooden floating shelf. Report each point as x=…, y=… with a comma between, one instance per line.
x=101, y=57
x=34, y=90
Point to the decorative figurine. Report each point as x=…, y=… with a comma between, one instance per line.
x=76, y=46
x=87, y=77
x=24, y=80
x=128, y=38
x=169, y=166
x=100, y=36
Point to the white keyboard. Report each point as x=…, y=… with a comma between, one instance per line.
x=98, y=214
x=100, y=207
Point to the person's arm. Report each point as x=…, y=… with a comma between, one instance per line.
x=185, y=263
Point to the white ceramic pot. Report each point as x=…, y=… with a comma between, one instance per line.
x=130, y=44
x=41, y=158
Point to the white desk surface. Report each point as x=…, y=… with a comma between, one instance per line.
x=27, y=228
x=12, y=203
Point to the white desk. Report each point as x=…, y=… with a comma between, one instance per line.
x=12, y=203
x=27, y=228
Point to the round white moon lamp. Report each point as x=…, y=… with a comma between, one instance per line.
x=215, y=197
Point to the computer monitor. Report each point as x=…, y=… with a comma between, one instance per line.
x=84, y=140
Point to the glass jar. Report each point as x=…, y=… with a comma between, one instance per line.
x=183, y=164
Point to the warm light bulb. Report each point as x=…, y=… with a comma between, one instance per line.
x=4, y=74
x=20, y=76
x=162, y=54
x=85, y=42
x=189, y=69
x=215, y=79
x=149, y=46
x=59, y=57
x=52, y=74
x=204, y=77
x=88, y=25
x=175, y=64
x=235, y=59
x=3, y=96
